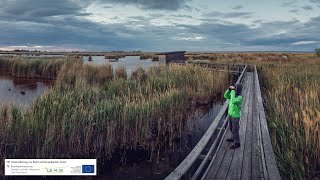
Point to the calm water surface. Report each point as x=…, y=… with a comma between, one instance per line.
x=20, y=91
x=131, y=63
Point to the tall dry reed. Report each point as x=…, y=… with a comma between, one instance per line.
x=91, y=112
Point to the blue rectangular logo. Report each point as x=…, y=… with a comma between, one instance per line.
x=87, y=168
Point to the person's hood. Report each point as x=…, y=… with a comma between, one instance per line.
x=238, y=88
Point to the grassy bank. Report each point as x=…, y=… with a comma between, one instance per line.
x=35, y=67
x=92, y=112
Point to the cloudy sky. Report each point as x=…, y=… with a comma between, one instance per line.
x=160, y=25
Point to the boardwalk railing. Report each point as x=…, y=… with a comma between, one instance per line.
x=269, y=164
x=189, y=161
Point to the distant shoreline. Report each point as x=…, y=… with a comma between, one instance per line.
x=143, y=53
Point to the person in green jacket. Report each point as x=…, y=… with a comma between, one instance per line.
x=234, y=111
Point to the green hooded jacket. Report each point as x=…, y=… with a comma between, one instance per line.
x=235, y=103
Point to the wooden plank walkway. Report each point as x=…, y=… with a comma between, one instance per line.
x=254, y=159
x=240, y=163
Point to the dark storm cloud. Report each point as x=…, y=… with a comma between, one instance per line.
x=258, y=21
x=288, y=3
x=107, y=7
x=223, y=33
x=38, y=9
x=277, y=35
x=62, y=22
x=237, y=7
x=181, y=16
x=315, y=1
x=294, y=10
x=215, y=14
x=152, y=4
x=69, y=30
x=307, y=7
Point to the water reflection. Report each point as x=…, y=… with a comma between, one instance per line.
x=131, y=63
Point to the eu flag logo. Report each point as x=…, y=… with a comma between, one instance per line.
x=87, y=168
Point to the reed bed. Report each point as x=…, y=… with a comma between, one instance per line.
x=251, y=57
x=144, y=57
x=293, y=103
x=92, y=112
x=149, y=56
x=35, y=67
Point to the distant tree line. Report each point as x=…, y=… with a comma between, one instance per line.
x=22, y=50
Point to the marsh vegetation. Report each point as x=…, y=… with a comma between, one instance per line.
x=95, y=111
x=35, y=67
x=92, y=111
x=293, y=101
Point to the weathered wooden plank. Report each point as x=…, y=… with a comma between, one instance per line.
x=236, y=164
x=270, y=161
x=256, y=160
x=225, y=164
x=203, y=156
x=219, y=158
x=247, y=154
x=215, y=166
x=216, y=154
x=214, y=146
x=261, y=155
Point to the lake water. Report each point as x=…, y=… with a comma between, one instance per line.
x=20, y=91
x=131, y=63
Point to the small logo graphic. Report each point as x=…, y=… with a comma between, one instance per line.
x=87, y=168
x=54, y=170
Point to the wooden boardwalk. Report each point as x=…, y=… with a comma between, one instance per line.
x=254, y=159
x=243, y=162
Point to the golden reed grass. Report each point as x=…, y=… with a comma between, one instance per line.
x=91, y=112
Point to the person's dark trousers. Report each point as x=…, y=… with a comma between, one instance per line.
x=234, y=127
x=230, y=124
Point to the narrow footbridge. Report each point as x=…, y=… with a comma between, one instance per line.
x=212, y=157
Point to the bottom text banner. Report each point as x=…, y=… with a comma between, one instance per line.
x=50, y=167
